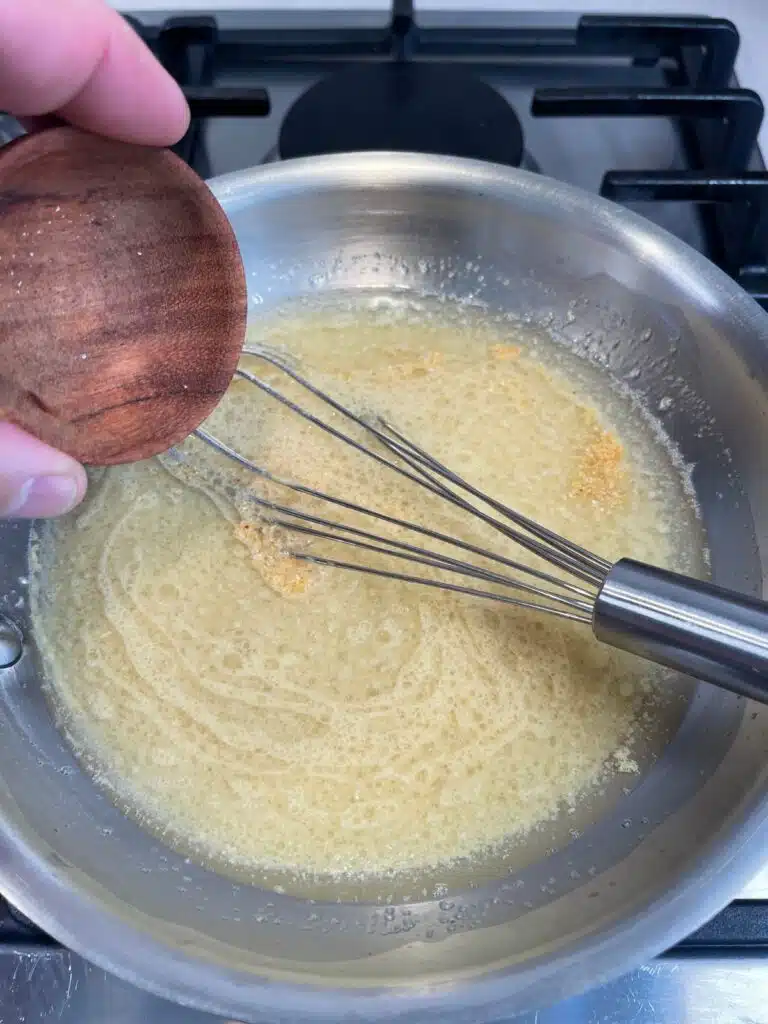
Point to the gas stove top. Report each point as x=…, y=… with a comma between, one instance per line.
x=643, y=110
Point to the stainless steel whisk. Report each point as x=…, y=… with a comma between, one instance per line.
x=685, y=624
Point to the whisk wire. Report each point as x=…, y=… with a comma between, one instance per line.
x=436, y=558
x=564, y=557
x=410, y=461
x=573, y=616
x=574, y=559
x=423, y=557
x=561, y=543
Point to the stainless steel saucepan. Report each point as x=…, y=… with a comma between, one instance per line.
x=572, y=910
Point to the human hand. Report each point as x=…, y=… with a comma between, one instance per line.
x=79, y=60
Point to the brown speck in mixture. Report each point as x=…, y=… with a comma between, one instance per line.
x=601, y=476
x=407, y=364
x=282, y=573
x=501, y=353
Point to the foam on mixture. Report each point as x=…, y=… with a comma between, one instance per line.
x=269, y=712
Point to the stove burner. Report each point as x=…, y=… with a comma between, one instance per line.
x=423, y=108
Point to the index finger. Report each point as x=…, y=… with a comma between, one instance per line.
x=78, y=58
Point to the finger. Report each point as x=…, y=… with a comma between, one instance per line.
x=35, y=480
x=80, y=59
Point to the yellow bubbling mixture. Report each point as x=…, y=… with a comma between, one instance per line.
x=268, y=712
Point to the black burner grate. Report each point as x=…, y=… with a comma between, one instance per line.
x=718, y=124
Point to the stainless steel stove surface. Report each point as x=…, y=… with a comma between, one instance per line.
x=645, y=110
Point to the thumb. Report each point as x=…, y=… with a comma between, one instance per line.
x=36, y=480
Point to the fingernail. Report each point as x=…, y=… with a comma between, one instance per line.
x=43, y=496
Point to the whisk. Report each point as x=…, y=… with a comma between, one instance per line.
x=685, y=624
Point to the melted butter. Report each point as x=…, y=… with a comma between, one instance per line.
x=268, y=712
